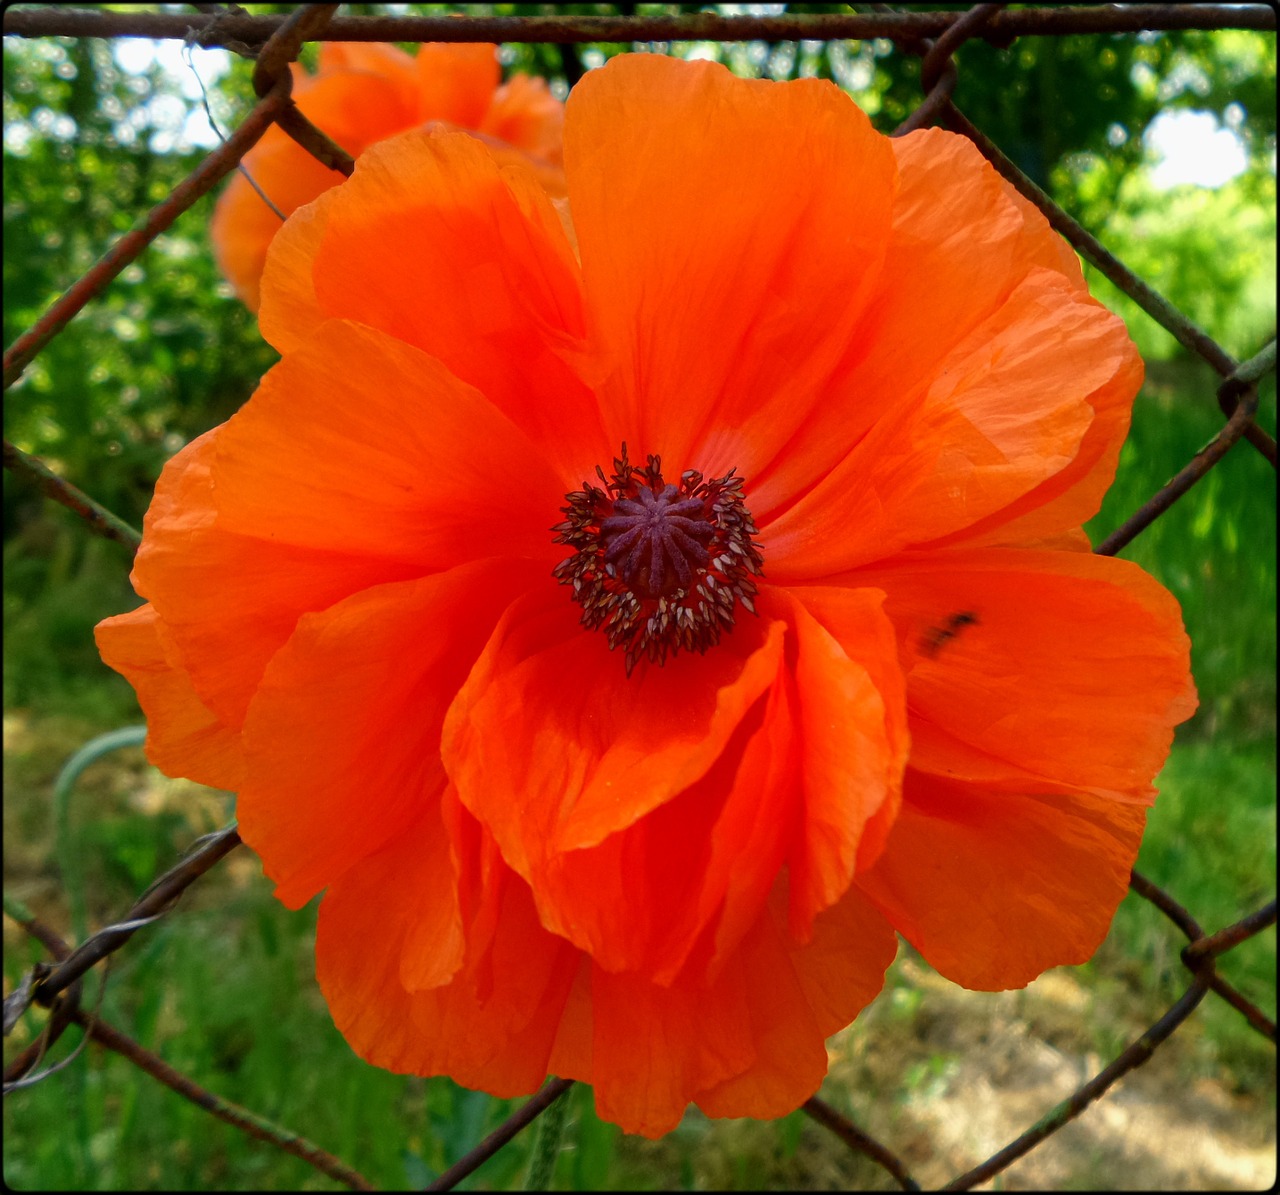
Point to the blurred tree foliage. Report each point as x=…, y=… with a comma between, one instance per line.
x=167, y=351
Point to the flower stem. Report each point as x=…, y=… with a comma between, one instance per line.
x=546, y=1145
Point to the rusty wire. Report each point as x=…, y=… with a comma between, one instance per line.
x=66, y=1012
x=228, y=27
x=935, y=37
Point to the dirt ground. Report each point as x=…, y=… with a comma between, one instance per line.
x=1154, y=1130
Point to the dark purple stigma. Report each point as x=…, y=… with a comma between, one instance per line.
x=658, y=542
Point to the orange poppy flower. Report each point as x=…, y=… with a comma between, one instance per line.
x=362, y=94
x=868, y=676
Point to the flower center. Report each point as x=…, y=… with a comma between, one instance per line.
x=659, y=567
x=657, y=542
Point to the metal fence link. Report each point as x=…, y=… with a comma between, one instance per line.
x=933, y=36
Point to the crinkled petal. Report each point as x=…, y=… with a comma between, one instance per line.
x=184, y=738
x=1007, y=410
x=497, y=1037
x=553, y=747
x=228, y=602
x=343, y=736
x=680, y=887
x=1038, y=671
x=959, y=245
x=655, y=1047
x=332, y=478
x=797, y=996
x=731, y=232
x=962, y=241
x=851, y=711
x=679, y=842
x=482, y=278
x=1073, y=496
x=231, y=601
x=1057, y=507
x=748, y=1042
x=356, y=442
x=411, y=885
x=995, y=887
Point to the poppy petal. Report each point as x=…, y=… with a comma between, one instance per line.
x=748, y=1042
x=326, y=784
x=353, y=108
x=1007, y=410
x=183, y=737
x=369, y=945
x=374, y=58
x=797, y=996
x=852, y=724
x=1070, y=498
x=994, y=888
x=753, y=835
x=411, y=882
x=482, y=279
x=382, y=461
x=230, y=584
x=1040, y=671
x=549, y=767
x=244, y=224
x=456, y=81
x=654, y=1047
x=549, y=177
x=229, y=601
x=356, y=107
x=1062, y=503
x=692, y=251
x=526, y=115
x=951, y=263
x=290, y=312
x=691, y=877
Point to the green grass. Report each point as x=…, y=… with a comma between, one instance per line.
x=223, y=989
x=1211, y=844
x=217, y=993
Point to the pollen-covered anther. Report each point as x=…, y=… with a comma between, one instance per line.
x=659, y=567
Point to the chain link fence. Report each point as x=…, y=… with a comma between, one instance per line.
x=273, y=42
